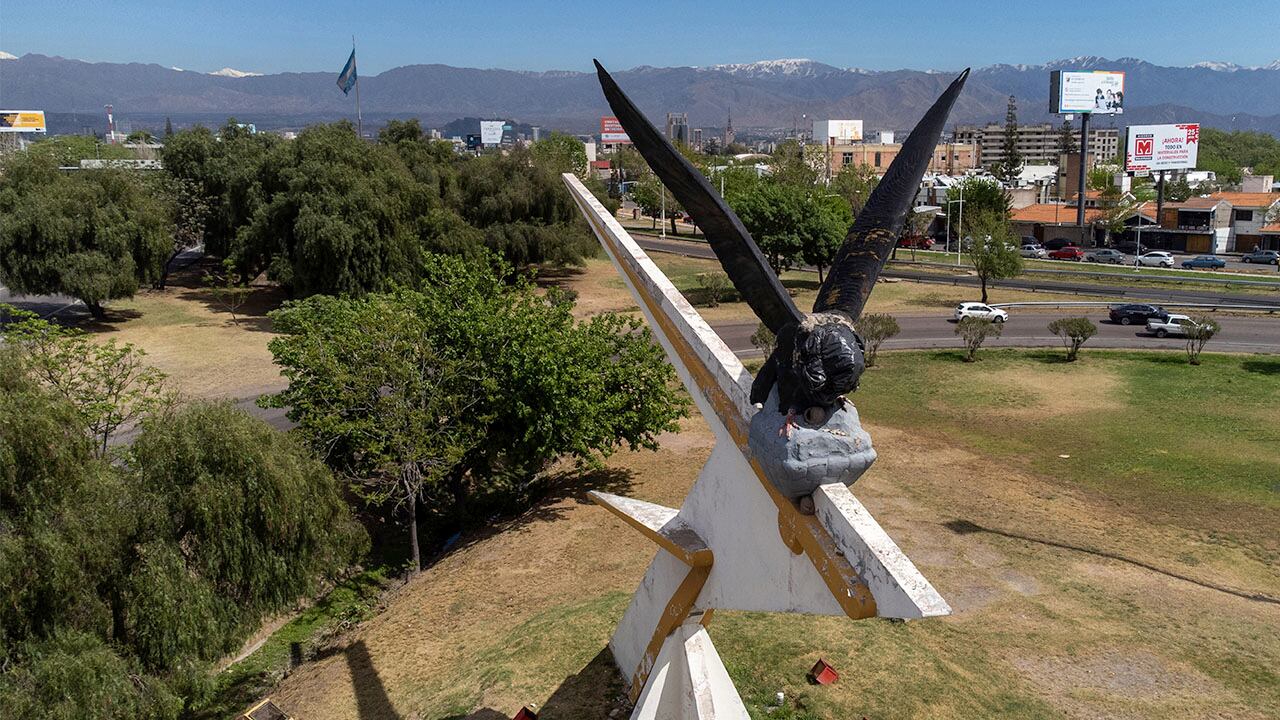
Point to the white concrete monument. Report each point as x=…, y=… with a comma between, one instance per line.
x=770, y=524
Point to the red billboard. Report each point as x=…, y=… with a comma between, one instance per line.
x=611, y=131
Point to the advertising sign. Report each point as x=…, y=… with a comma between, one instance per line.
x=611, y=131
x=837, y=131
x=28, y=121
x=1098, y=91
x=1161, y=147
x=491, y=132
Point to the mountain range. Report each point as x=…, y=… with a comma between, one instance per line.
x=767, y=94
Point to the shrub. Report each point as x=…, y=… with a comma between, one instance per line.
x=1074, y=332
x=975, y=331
x=764, y=339
x=1201, y=331
x=875, y=329
x=714, y=285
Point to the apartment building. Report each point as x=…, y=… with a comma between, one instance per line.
x=948, y=158
x=1038, y=144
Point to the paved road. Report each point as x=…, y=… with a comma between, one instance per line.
x=1160, y=295
x=1239, y=334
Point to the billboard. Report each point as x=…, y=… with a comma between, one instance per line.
x=1097, y=91
x=837, y=131
x=611, y=131
x=491, y=132
x=1161, y=147
x=28, y=121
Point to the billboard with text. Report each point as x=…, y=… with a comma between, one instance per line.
x=1161, y=147
x=1097, y=91
x=611, y=131
x=491, y=132
x=25, y=121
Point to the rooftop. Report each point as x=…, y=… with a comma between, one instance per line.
x=1248, y=200
x=1053, y=213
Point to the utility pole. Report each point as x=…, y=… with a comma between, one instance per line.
x=1084, y=153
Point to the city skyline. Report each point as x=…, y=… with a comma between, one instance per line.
x=306, y=37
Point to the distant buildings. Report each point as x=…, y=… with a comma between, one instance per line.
x=1037, y=144
x=948, y=157
x=678, y=127
x=729, y=134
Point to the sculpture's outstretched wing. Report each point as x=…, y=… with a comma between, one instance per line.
x=875, y=232
x=738, y=253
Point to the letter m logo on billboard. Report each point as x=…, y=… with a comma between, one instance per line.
x=1143, y=147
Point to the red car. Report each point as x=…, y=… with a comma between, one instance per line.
x=919, y=242
x=1070, y=252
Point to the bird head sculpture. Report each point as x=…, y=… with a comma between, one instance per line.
x=818, y=357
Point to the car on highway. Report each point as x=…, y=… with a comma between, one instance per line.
x=1034, y=250
x=1069, y=252
x=1270, y=257
x=1131, y=313
x=1156, y=258
x=1204, y=261
x=1172, y=325
x=1105, y=255
x=916, y=242
x=982, y=311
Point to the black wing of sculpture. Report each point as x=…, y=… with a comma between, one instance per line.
x=875, y=232
x=738, y=253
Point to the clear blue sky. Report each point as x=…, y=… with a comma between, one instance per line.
x=291, y=35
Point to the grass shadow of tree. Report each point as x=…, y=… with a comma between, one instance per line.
x=960, y=526
x=594, y=691
x=545, y=504
x=1261, y=367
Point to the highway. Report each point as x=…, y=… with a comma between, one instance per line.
x=1029, y=329
x=1120, y=293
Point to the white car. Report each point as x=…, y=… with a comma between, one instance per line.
x=1034, y=251
x=1175, y=325
x=1156, y=258
x=980, y=310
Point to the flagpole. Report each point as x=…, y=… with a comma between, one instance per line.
x=355, y=67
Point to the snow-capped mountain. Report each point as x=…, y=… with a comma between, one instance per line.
x=7, y=56
x=794, y=67
x=234, y=73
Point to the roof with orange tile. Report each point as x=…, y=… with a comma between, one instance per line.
x=1198, y=203
x=1053, y=213
x=1272, y=228
x=1248, y=200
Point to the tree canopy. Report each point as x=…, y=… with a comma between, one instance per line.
x=405, y=389
x=126, y=579
x=95, y=235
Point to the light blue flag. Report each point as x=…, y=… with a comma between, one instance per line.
x=347, y=78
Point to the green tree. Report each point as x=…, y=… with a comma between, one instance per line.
x=1009, y=168
x=559, y=153
x=994, y=249
x=137, y=573
x=975, y=331
x=459, y=423
x=854, y=183
x=226, y=169
x=108, y=383
x=95, y=235
x=980, y=196
x=654, y=199
x=793, y=224
x=1067, y=144
x=69, y=150
x=789, y=166
x=1073, y=332
x=338, y=216
x=875, y=328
